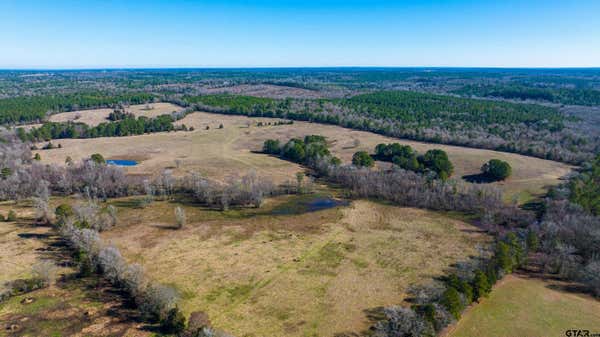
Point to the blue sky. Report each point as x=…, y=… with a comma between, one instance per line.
x=504, y=33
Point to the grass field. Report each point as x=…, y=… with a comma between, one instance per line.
x=19, y=243
x=312, y=274
x=96, y=116
x=520, y=306
x=221, y=153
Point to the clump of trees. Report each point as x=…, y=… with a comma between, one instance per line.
x=304, y=151
x=362, y=159
x=404, y=156
x=496, y=170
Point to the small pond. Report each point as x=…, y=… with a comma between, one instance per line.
x=121, y=162
x=308, y=203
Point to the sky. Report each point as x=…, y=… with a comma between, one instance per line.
x=311, y=33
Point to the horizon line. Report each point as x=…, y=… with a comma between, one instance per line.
x=152, y=67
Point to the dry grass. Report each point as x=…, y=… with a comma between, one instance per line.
x=520, y=306
x=257, y=274
x=221, y=153
x=19, y=243
x=96, y=116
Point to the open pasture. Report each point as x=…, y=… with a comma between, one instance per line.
x=96, y=116
x=229, y=151
x=313, y=274
x=521, y=306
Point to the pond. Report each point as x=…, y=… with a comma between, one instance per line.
x=121, y=162
x=308, y=203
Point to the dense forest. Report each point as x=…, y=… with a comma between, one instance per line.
x=569, y=96
x=426, y=110
x=35, y=108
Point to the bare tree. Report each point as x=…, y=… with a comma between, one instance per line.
x=180, y=219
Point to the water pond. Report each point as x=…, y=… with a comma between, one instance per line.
x=121, y=162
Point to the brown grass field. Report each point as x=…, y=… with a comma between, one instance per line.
x=221, y=153
x=96, y=116
x=311, y=274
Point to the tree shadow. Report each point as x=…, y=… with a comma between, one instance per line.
x=479, y=178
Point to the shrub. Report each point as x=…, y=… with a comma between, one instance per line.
x=271, y=146
x=5, y=172
x=496, y=169
x=12, y=216
x=362, y=159
x=98, y=158
x=452, y=301
x=481, y=285
x=63, y=211
x=37, y=157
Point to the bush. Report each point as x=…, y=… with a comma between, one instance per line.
x=98, y=158
x=12, y=216
x=496, y=169
x=362, y=159
x=452, y=301
x=63, y=211
x=481, y=285
x=271, y=146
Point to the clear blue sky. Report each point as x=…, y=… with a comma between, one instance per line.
x=503, y=33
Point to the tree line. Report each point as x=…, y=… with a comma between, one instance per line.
x=127, y=126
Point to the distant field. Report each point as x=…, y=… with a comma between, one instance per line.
x=260, y=274
x=520, y=306
x=97, y=116
x=220, y=153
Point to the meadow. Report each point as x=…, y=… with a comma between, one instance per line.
x=221, y=153
x=262, y=272
x=524, y=306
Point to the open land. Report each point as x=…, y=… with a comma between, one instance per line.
x=522, y=306
x=222, y=153
x=257, y=273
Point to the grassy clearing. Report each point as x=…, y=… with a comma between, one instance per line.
x=520, y=306
x=96, y=116
x=228, y=152
x=259, y=274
